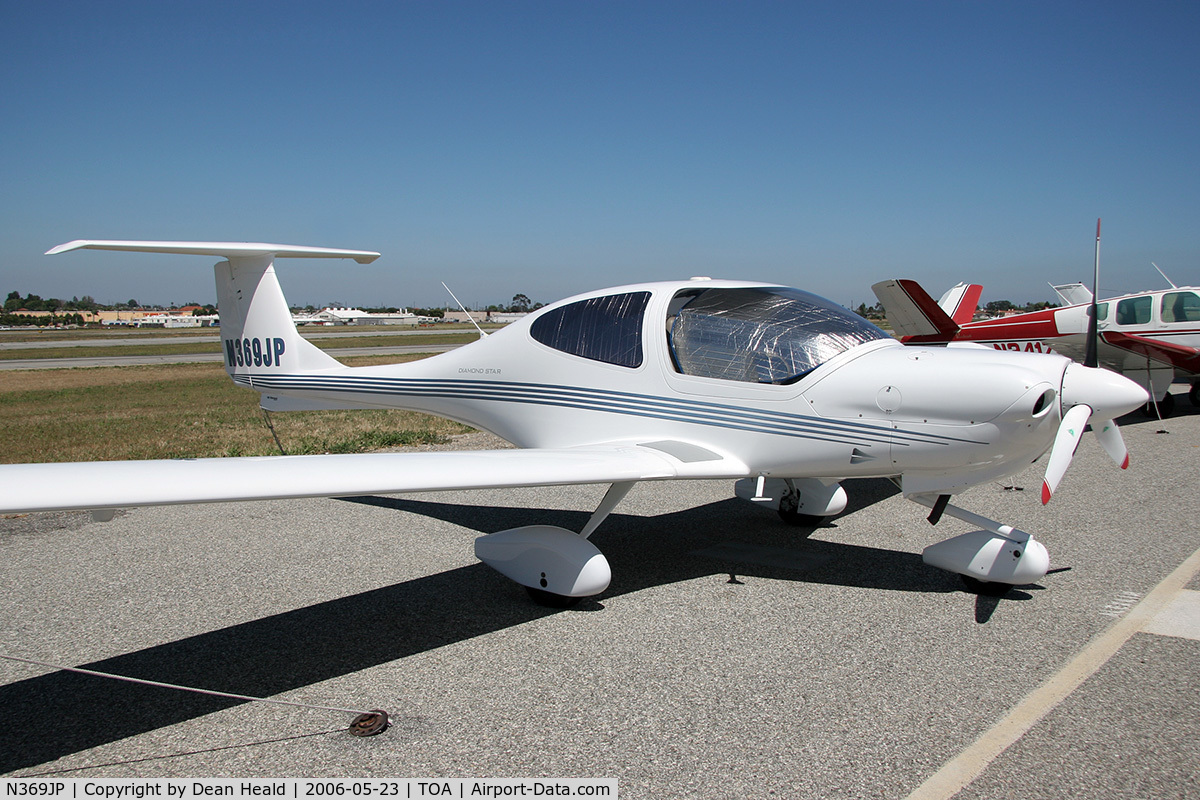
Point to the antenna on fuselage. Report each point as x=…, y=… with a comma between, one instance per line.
x=1165, y=278
x=482, y=332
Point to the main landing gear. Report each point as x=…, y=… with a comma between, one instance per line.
x=556, y=566
x=804, y=502
x=1166, y=407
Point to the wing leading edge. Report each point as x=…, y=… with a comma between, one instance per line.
x=219, y=249
x=123, y=484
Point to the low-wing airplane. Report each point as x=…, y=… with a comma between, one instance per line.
x=774, y=387
x=1153, y=338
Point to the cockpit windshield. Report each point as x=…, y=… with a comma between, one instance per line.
x=759, y=334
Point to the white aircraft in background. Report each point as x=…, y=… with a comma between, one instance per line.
x=699, y=379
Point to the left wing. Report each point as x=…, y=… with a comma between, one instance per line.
x=1178, y=356
x=97, y=485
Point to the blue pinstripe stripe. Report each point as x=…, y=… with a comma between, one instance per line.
x=671, y=409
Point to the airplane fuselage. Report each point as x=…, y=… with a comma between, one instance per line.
x=870, y=407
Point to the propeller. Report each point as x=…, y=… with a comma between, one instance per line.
x=1066, y=442
x=1087, y=392
x=1091, y=356
x=1090, y=394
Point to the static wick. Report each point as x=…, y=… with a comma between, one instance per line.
x=366, y=723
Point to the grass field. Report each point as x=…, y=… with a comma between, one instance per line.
x=133, y=334
x=184, y=347
x=181, y=411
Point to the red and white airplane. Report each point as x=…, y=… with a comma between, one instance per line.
x=696, y=379
x=1152, y=338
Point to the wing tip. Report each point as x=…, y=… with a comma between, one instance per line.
x=74, y=244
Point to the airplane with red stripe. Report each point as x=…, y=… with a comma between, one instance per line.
x=1151, y=337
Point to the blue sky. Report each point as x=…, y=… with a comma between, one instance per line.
x=550, y=148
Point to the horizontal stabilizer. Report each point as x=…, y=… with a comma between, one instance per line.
x=220, y=249
x=913, y=313
x=1073, y=294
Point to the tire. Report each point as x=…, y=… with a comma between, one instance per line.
x=800, y=520
x=985, y=588
x=788, y=513
x=550, y=599
x=1166, y=407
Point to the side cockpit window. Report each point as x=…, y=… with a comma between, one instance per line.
x=1134, y=311
x=1181, y=307
x=759, y=335
x=606, y=329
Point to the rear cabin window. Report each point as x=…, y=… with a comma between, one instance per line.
x=1181, y=307
x=759, y=335
x=606, y=329
x=1134, y=311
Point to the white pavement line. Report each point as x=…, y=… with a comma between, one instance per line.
x=968, y=765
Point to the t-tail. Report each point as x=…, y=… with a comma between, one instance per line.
x=257, y=332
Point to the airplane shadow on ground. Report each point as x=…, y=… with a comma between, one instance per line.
x=56, y=714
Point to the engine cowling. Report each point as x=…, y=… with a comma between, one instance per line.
x=546, y=557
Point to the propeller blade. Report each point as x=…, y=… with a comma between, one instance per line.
x=1065, y=443
x=1091, y=355
x=1109, y=436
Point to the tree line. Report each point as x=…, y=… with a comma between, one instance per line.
x=992, y=308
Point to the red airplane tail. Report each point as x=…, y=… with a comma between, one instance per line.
x=916, y=317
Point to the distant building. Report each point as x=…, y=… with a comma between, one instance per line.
x=173, y=320
x=356, y=316
x=495, y=317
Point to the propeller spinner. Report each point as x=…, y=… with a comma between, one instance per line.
x=1087, y=393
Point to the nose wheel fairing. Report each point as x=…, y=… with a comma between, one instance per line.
x=998, y=554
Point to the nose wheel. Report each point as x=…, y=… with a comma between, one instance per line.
x=550, y=599
x=985, y=588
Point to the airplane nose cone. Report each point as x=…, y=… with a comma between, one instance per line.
x=1110, y=395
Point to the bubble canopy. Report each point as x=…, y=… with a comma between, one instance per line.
x=760, y=334
x=755, y=334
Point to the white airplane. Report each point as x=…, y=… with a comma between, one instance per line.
x=774, y=387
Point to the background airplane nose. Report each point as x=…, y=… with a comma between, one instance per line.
x=1108, y=394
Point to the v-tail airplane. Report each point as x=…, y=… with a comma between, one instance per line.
x=775, y=388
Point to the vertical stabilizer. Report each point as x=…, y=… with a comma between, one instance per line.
x=258, y=336
x=960, y=302
x=257, y=333
x=912, y=312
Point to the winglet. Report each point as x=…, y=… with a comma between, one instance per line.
x=220, y=249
